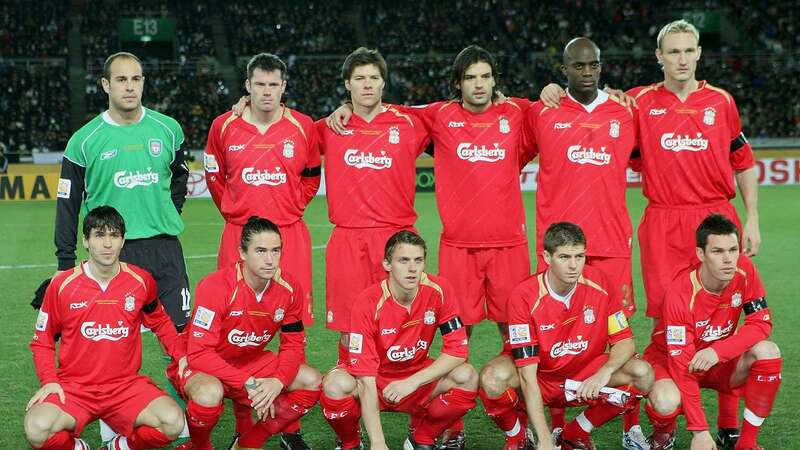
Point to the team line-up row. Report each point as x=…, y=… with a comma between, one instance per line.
x=264, y=160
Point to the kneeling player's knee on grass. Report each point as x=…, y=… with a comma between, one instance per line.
x=465, y=377
x=207, y=393
x=38, y=427
x=494, y=380
x=665, y=397
x=338, y=384
x=641, y=373
x=172, y=420
x=765, y=350
x=308, y=378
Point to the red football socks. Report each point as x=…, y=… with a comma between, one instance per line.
x=342, y=415
x=503, y=412
x=442, y=412
x=661, y=423
x=760, y=391
x=728, y=410
x=144, y=437
x=201, y=421
x=289, y=407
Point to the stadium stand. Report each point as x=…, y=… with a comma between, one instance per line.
x=756, y=62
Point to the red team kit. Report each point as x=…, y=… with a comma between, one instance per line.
x=688, y=151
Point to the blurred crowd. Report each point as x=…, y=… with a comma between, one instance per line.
x=759, y=68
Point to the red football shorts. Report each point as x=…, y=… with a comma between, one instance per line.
x=483, y=278
x=717, y=377
x=264, y=367
x=118, y=404
x=552, y=386
x=667, y=242
x=295, y=257
x=414, y=403
x=353, y=261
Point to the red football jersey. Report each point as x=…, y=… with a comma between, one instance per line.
x=370, y=171
x=272, y=175
x=99, y=328
x=477, y=161
x=231, y=326
x=694, y=319
x=561, y=339
x=389, y=340
x=689, y=150
x=583, y=158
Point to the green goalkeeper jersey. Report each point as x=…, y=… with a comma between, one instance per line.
x=128, y=167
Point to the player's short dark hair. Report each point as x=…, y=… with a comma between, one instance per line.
x=266, y=62
x=103, y=218
x=465, y=58
x=715, y=224
x=363, y=56
x=403, y=237
x=115, y=56
x=254, y=226
x=560, y=234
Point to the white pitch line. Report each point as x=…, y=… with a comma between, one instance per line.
x=40, y=266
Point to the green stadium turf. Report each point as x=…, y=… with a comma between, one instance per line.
x=27, y=257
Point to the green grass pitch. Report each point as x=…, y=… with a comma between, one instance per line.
x=26, y=230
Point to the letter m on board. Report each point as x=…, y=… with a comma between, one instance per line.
x=11, y=188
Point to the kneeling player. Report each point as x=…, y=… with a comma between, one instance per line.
x=697, y=344
x=560, y=322
x=238, y=311
x=97, y=309
x=392, y=326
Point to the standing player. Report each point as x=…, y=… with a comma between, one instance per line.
x=97, y=309
x=238, y=310
x=692, y=149
x=698, y=342
x=265, y=163
x=478, y=152
x=584, y=147
x=560, y=322
x=129, y=157
x=370, y=174
x=393, y=324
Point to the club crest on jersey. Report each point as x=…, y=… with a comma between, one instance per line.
x=588, y=316
x=709, y=116
x=736, y=299
x=130, y=303
x=278, y=315
x=504, y=126
x=288, y=148
x=394, y=135
x=613, y=129
x=155, y=146
x=430, y=317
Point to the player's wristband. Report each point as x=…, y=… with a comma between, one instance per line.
x=529, y=351
x=451, y=325
x=754, y=305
